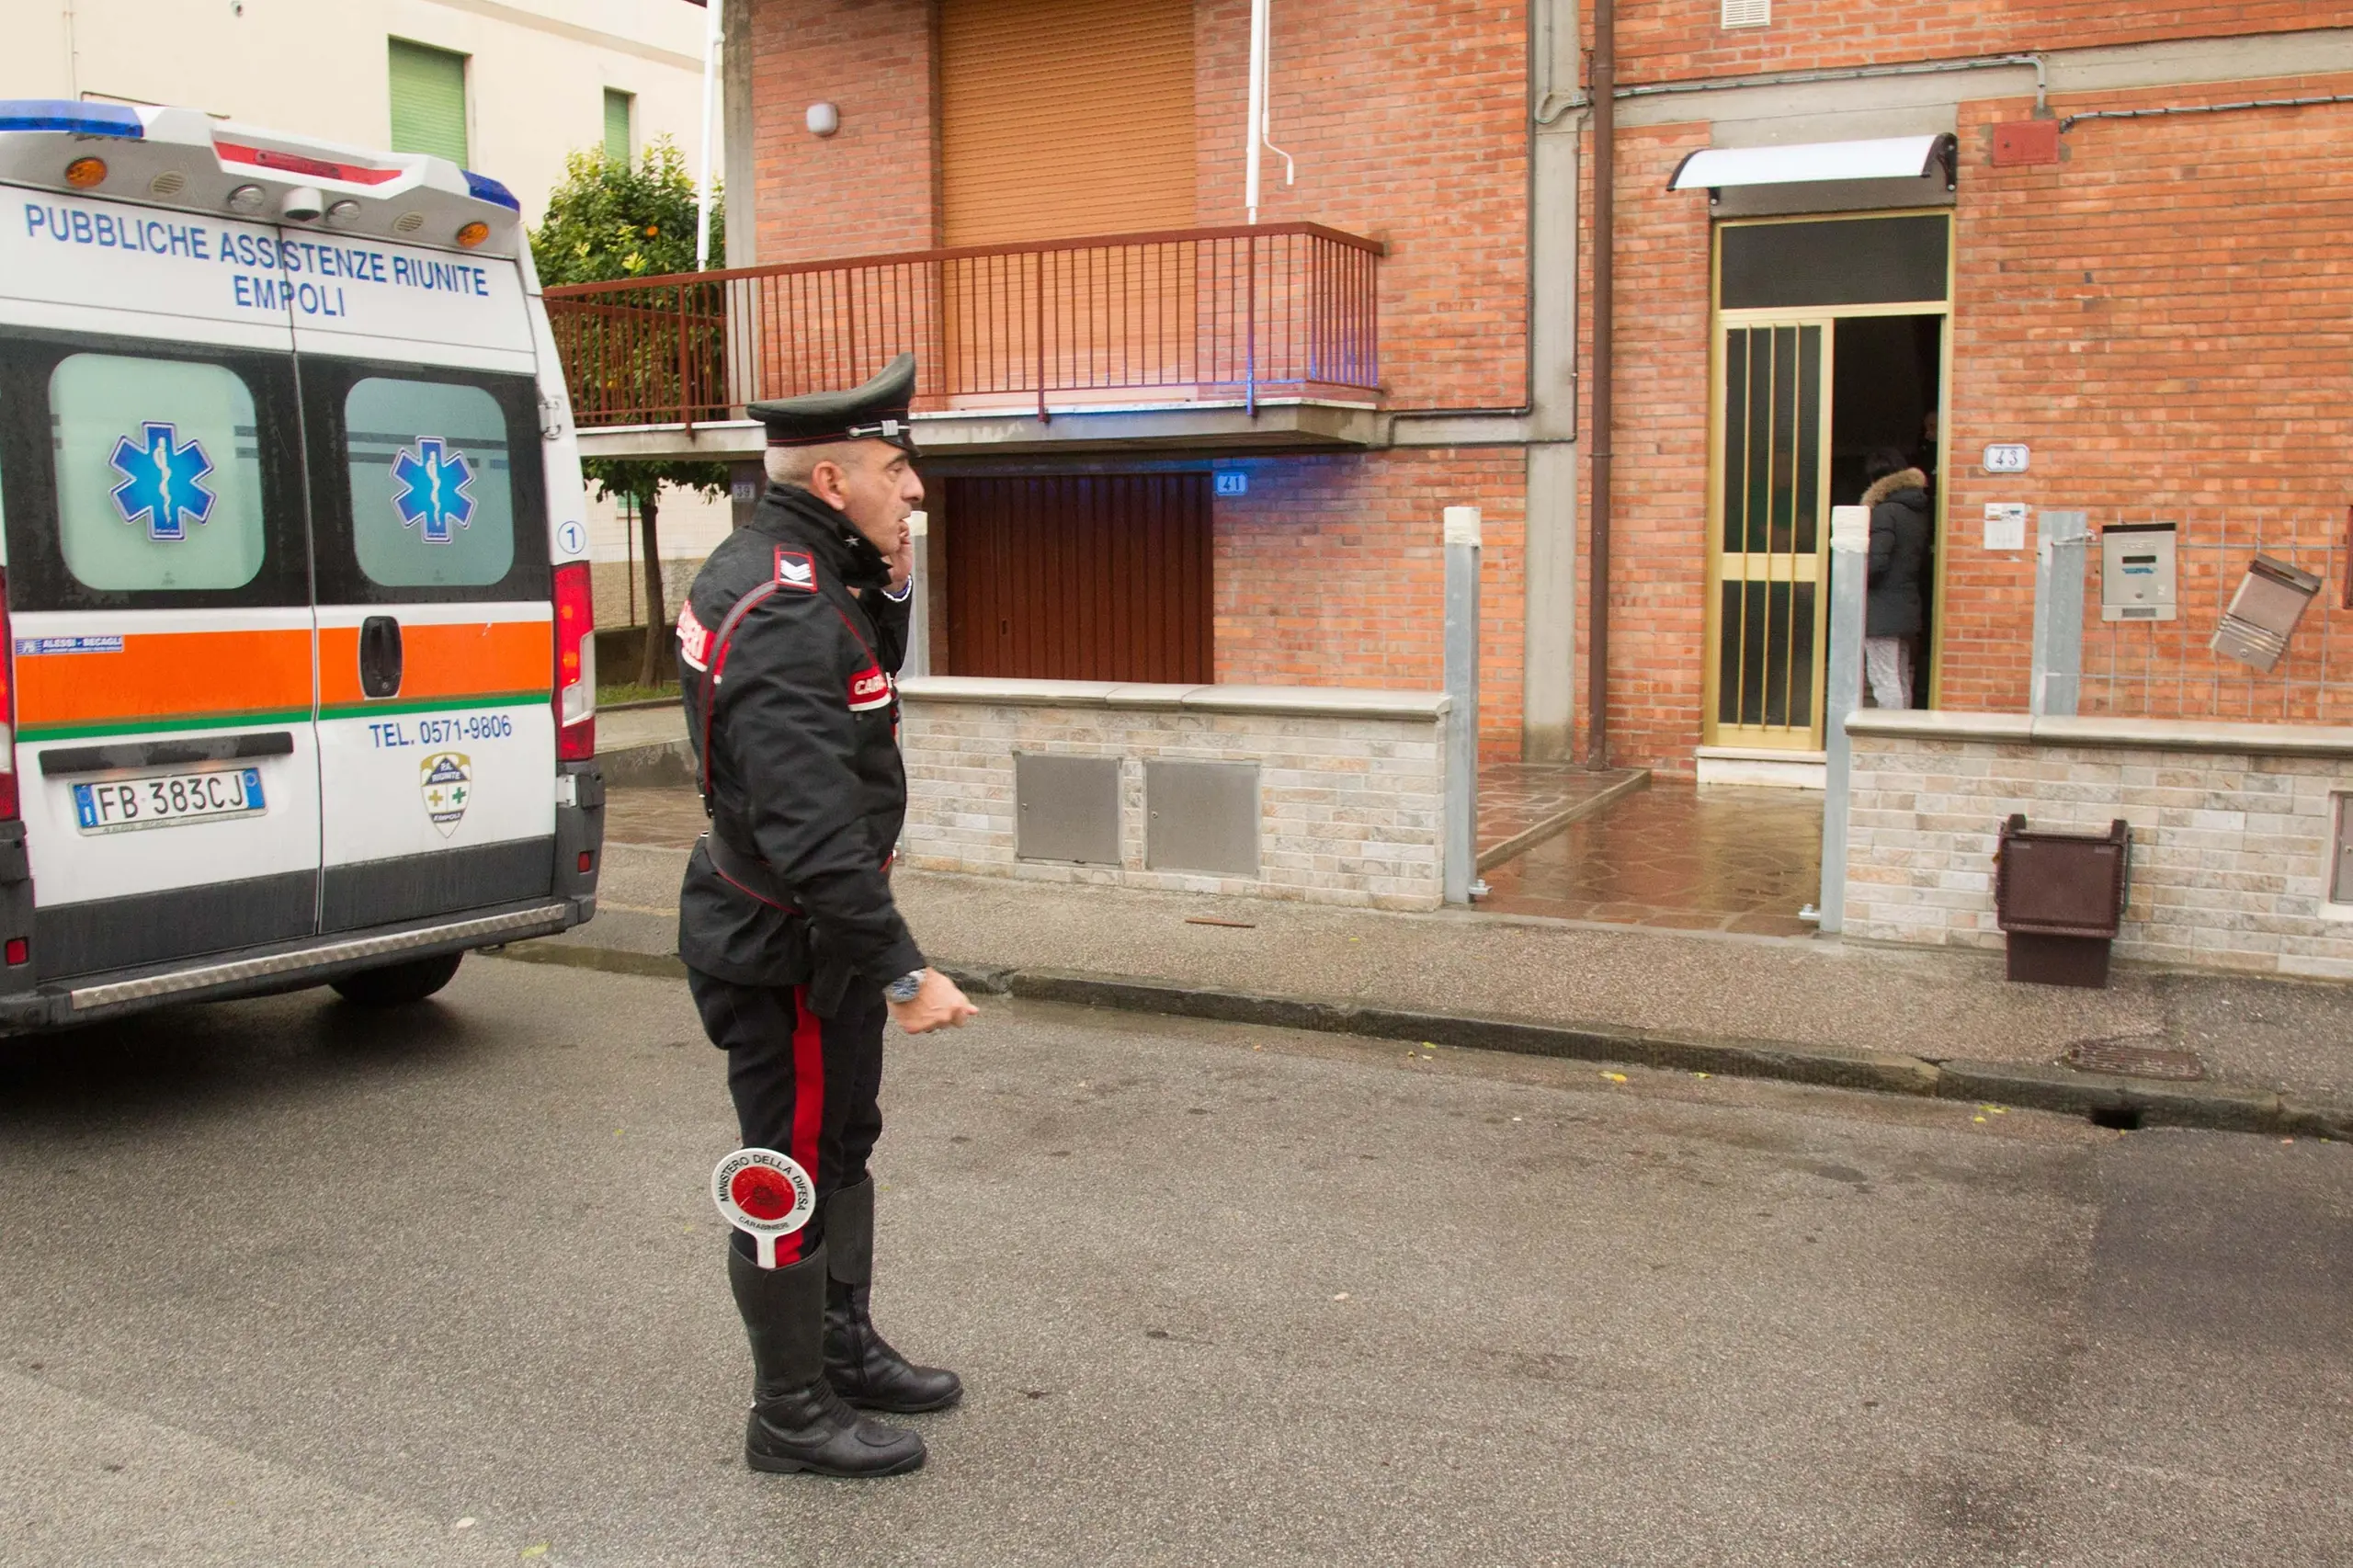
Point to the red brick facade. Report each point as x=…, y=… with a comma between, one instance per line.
x=870, y=187
x=1675, y=41
x=1659, y=570
x=2162, y=315
x=2165, y=317
x=1408, y=125
x=1331, y=572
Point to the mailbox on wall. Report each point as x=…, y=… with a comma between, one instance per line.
x=2136, y=572
x=2264, y=612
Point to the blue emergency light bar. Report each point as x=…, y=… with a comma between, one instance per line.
x=70, y=114
x=484, y=189
x=183, y=127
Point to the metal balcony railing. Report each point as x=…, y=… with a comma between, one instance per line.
x=1186, y=316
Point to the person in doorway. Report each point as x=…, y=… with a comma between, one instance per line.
x=1898, y=497
x=795, y=952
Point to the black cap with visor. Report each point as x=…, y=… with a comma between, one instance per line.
x=875, y=412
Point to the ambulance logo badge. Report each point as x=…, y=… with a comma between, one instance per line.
x=163, y=480
x=446, y=778
x=437, y=496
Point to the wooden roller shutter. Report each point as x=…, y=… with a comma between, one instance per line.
x=1080, y=578
x=1065, y=118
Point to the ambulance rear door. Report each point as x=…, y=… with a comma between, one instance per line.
x=158, y=584
x=437, y=737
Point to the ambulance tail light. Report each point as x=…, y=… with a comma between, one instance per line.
x=8, y=802
x=575, y=664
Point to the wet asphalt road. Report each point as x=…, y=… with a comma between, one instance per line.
x=285, y=1282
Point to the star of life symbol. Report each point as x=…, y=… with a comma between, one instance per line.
x=436, y=489
x=447, y=779
x=163, y=480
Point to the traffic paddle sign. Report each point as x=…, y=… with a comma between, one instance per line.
x=765, y=1195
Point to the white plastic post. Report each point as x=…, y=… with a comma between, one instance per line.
x=1850, y=544
x=1257, y=106
x=918, y=658
x=1461, y=843
x=710, y=107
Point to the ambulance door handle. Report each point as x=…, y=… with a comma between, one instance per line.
x=379, y=657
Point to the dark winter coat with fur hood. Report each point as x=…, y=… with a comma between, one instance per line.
x=1900, y=527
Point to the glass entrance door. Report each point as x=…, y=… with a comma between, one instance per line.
x=1769, y=525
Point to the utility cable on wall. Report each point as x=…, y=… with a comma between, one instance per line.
x=2071, y=121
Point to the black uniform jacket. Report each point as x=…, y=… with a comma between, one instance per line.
x=803, y=750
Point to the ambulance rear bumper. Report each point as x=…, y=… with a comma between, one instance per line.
x=313, y=962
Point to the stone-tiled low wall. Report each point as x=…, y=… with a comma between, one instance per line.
x=1351, y=783
x=2233, y=830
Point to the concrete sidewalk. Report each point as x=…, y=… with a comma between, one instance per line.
x=2277, y=1056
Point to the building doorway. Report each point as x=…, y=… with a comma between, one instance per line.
x=1887, y=393
x=1080, y=578
x=1831, y=340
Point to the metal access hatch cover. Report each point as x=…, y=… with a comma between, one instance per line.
x=2134, y=1061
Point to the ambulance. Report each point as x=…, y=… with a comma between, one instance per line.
x=294, y=591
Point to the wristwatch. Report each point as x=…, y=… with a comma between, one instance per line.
x=907, y=987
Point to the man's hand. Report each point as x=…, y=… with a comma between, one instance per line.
x=938, y=1006
x=902, y=560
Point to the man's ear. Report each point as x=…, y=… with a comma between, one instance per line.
x=826, y=482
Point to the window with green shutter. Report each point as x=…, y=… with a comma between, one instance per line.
x=617, y=108
x=428, y=101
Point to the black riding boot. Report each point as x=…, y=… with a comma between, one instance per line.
x=859, y=1363
x=798, y=1422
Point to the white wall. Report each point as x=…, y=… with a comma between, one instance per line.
x=690, y=527
x=535, y=84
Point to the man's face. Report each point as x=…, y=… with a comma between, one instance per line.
x=876, y=486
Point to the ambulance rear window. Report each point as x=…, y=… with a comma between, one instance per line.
x=159, y=480
x=432, y=489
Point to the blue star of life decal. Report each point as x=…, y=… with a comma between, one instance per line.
x=436, y=489
x=163, y=480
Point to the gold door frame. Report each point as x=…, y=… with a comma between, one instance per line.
x=1778, y=701
x=1720, y=323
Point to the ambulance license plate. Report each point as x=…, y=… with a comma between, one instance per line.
x=125, y=805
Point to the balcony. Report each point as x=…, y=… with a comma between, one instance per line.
x=1255, y=336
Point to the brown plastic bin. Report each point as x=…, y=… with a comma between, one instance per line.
x=2059, y=897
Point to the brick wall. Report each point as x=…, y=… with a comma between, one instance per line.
x=1407, y=122
x=1332, y=572
x=2166, y=319
x=1351, y=803
x=869, y=187
x=1658, y=538
x=2231, y=846
x=1408, y=125
x=1408, y=119
x=1662, y=40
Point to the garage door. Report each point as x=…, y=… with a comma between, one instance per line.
x=1080, y=578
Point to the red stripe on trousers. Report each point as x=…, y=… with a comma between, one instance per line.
x=808, y=1103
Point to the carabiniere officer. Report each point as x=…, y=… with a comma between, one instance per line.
x=789, y=646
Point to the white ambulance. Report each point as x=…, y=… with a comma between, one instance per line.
x=297, y=609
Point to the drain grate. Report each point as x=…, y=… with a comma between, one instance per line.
x=2134, y=1061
